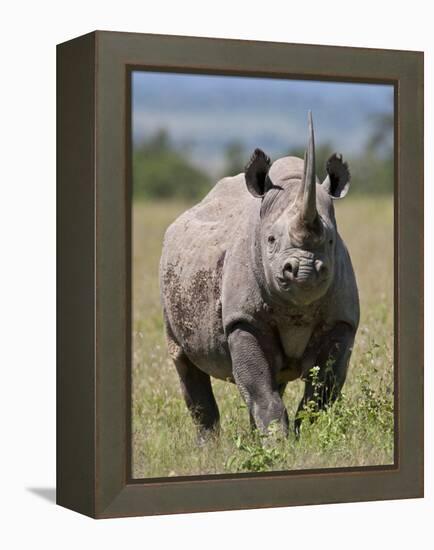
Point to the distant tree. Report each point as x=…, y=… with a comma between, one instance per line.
x=373, y=170
x=381, y=138
x=157, y=143
x=371, y=174
x=161, y=171
x=234, y=159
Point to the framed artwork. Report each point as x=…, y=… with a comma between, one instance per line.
x=240, y=274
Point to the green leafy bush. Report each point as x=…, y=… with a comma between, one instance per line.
x=160, y=172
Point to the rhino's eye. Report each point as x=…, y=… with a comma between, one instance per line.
x=271, y=239
x=330, y=241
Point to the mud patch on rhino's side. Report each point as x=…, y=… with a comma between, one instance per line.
x=217, y=284
x=193, y=304
x=176, y=301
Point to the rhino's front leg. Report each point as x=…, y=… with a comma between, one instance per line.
x=253, y=374
x=332, y=359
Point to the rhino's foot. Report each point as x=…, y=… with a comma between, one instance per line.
x=207, y=435
x=274, y=436
x=297, y=428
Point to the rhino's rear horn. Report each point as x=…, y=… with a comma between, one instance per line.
x=308, y=189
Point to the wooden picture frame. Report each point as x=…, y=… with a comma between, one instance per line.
x=94, y=274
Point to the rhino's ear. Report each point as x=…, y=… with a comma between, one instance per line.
x=256, y=172
x=337, y=182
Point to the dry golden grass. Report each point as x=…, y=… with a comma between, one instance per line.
x=358, y=431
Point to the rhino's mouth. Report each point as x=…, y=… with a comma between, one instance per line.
x=305, y=283
x=301, y=292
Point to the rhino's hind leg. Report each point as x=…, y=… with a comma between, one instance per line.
x=332, y=359
x=197, y=391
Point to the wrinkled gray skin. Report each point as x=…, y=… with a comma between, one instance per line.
x=257, y=288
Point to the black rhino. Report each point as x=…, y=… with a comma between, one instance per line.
x=257, y=287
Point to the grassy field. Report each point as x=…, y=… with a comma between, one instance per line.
x=357, y=431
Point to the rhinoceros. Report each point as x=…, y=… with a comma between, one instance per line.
x=257, y=287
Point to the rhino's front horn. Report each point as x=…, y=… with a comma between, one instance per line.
x=308, y=189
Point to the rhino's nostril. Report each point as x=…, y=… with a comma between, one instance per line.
x=320, y=267
x=290, y=269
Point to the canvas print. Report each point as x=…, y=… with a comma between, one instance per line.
x=262, y=274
